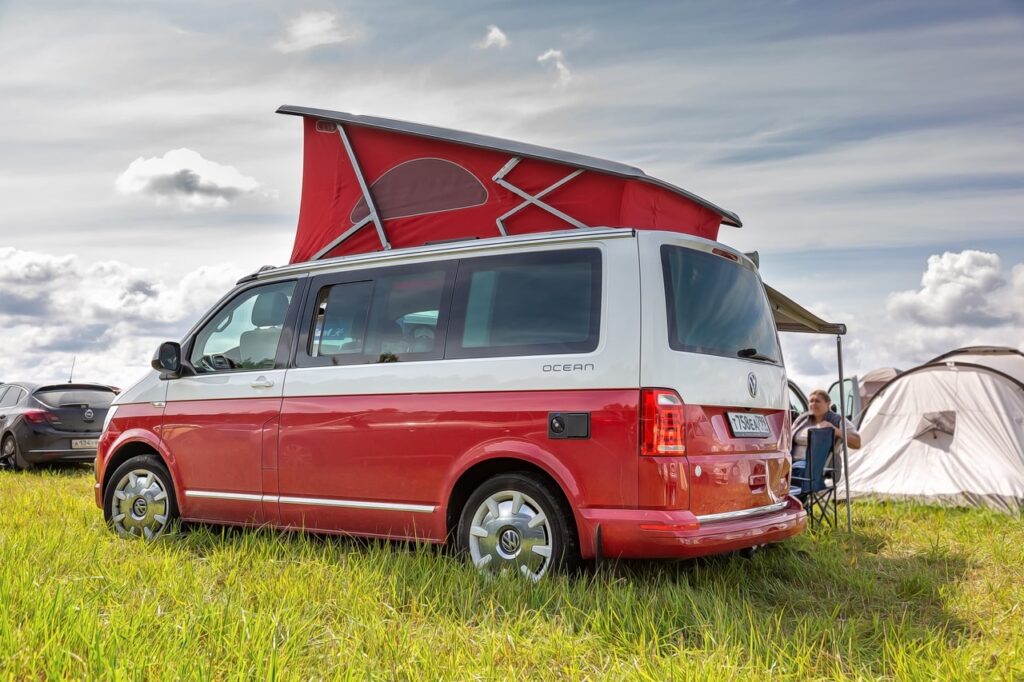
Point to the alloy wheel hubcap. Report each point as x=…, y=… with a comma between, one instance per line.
x=139, y=505
x=510, y=531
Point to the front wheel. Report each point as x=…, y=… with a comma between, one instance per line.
x=139, y=500
x=518, y=522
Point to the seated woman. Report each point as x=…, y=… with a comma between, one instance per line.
x=820, y=416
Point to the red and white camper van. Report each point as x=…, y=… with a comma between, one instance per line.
x=536, y=398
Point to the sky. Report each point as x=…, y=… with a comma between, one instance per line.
x=874, y=150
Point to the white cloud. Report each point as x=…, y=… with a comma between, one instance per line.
x=184, y=176
x=495, y=38
x=966, y=298
x=959, y=289
x=314, y=28
x=557, y=57
x=109, y=315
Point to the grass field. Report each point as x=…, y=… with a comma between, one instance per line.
x=915, y=593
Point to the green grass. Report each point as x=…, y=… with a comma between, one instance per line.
x=914, y=593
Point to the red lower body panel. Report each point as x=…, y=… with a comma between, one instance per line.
x=656, y=534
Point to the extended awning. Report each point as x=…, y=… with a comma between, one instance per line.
x=790, y=316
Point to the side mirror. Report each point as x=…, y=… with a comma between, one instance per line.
x=167, y=358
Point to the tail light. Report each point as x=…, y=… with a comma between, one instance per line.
x=662, y=427
x=40, y=417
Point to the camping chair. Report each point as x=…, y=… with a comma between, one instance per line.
x=815, y=481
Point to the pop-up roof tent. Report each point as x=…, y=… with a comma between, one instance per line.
x=371, y=184
x=948, y=432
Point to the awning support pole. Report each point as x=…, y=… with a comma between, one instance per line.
x=842, y=415
x=366, y=190
x=534, y=199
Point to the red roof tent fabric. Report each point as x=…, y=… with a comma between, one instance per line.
x=431, y=184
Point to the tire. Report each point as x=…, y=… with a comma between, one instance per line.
x=499, y=528
x=10, y=455
x=139, y=499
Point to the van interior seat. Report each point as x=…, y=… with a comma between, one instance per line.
x=392, y=338
x=256, y=346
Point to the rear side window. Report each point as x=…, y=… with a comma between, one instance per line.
x=63, y=397
x=11, y=397
x=339, y=327
x=716, y=306
x=526, y=304
x=388, y=315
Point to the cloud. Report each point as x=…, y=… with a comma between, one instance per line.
x=313, y=29
x=967, y=288
x=966, y=298
x=557, y=57
x=184, y=176
x=495, y=38
x=108, y=314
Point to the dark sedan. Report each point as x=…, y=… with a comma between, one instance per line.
x=50, y=423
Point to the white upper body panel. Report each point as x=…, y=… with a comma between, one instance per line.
x=699, y=378
x=633, y=349
x=149, y=389
x=613, y=364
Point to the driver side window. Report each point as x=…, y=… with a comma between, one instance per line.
x=244, y=334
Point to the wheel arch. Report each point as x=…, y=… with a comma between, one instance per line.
x=474, y=475
x=134, y=448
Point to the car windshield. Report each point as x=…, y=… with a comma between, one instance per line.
x=717, y=306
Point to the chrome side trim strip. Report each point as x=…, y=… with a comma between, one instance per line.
x=353, y=504
x=218, y=495
x=743, y=513
x=312, y=501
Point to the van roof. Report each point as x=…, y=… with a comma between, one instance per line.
x=472, y=244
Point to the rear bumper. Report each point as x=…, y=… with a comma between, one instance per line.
x=54, y=446
x=654, y=534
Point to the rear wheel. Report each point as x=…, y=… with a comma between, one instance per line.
x=10, y=455
x=139, y=500
x=518, y=522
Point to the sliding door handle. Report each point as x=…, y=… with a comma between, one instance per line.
x=262, y=382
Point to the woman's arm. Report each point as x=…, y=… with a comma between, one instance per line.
x=852, y=437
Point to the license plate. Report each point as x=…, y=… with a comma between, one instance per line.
x=747, y=425
x=84, y=444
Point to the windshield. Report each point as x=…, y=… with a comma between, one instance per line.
x=716, y=306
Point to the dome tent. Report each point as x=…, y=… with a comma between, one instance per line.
x=948, y=432
x=873, y=381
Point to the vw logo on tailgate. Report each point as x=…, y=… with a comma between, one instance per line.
x=752, y=384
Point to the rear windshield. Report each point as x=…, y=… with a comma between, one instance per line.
x=716, y=306
x=61, y=397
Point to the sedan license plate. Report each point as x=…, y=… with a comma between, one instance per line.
x=747, y=425
x=84, y=444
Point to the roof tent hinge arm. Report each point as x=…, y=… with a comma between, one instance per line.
x=335, y=242
x=534, y=199
x=363, y=186
x=507, y=168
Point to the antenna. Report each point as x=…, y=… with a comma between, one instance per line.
x=72, y=373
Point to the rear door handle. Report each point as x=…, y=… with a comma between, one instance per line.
x=262, y=382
